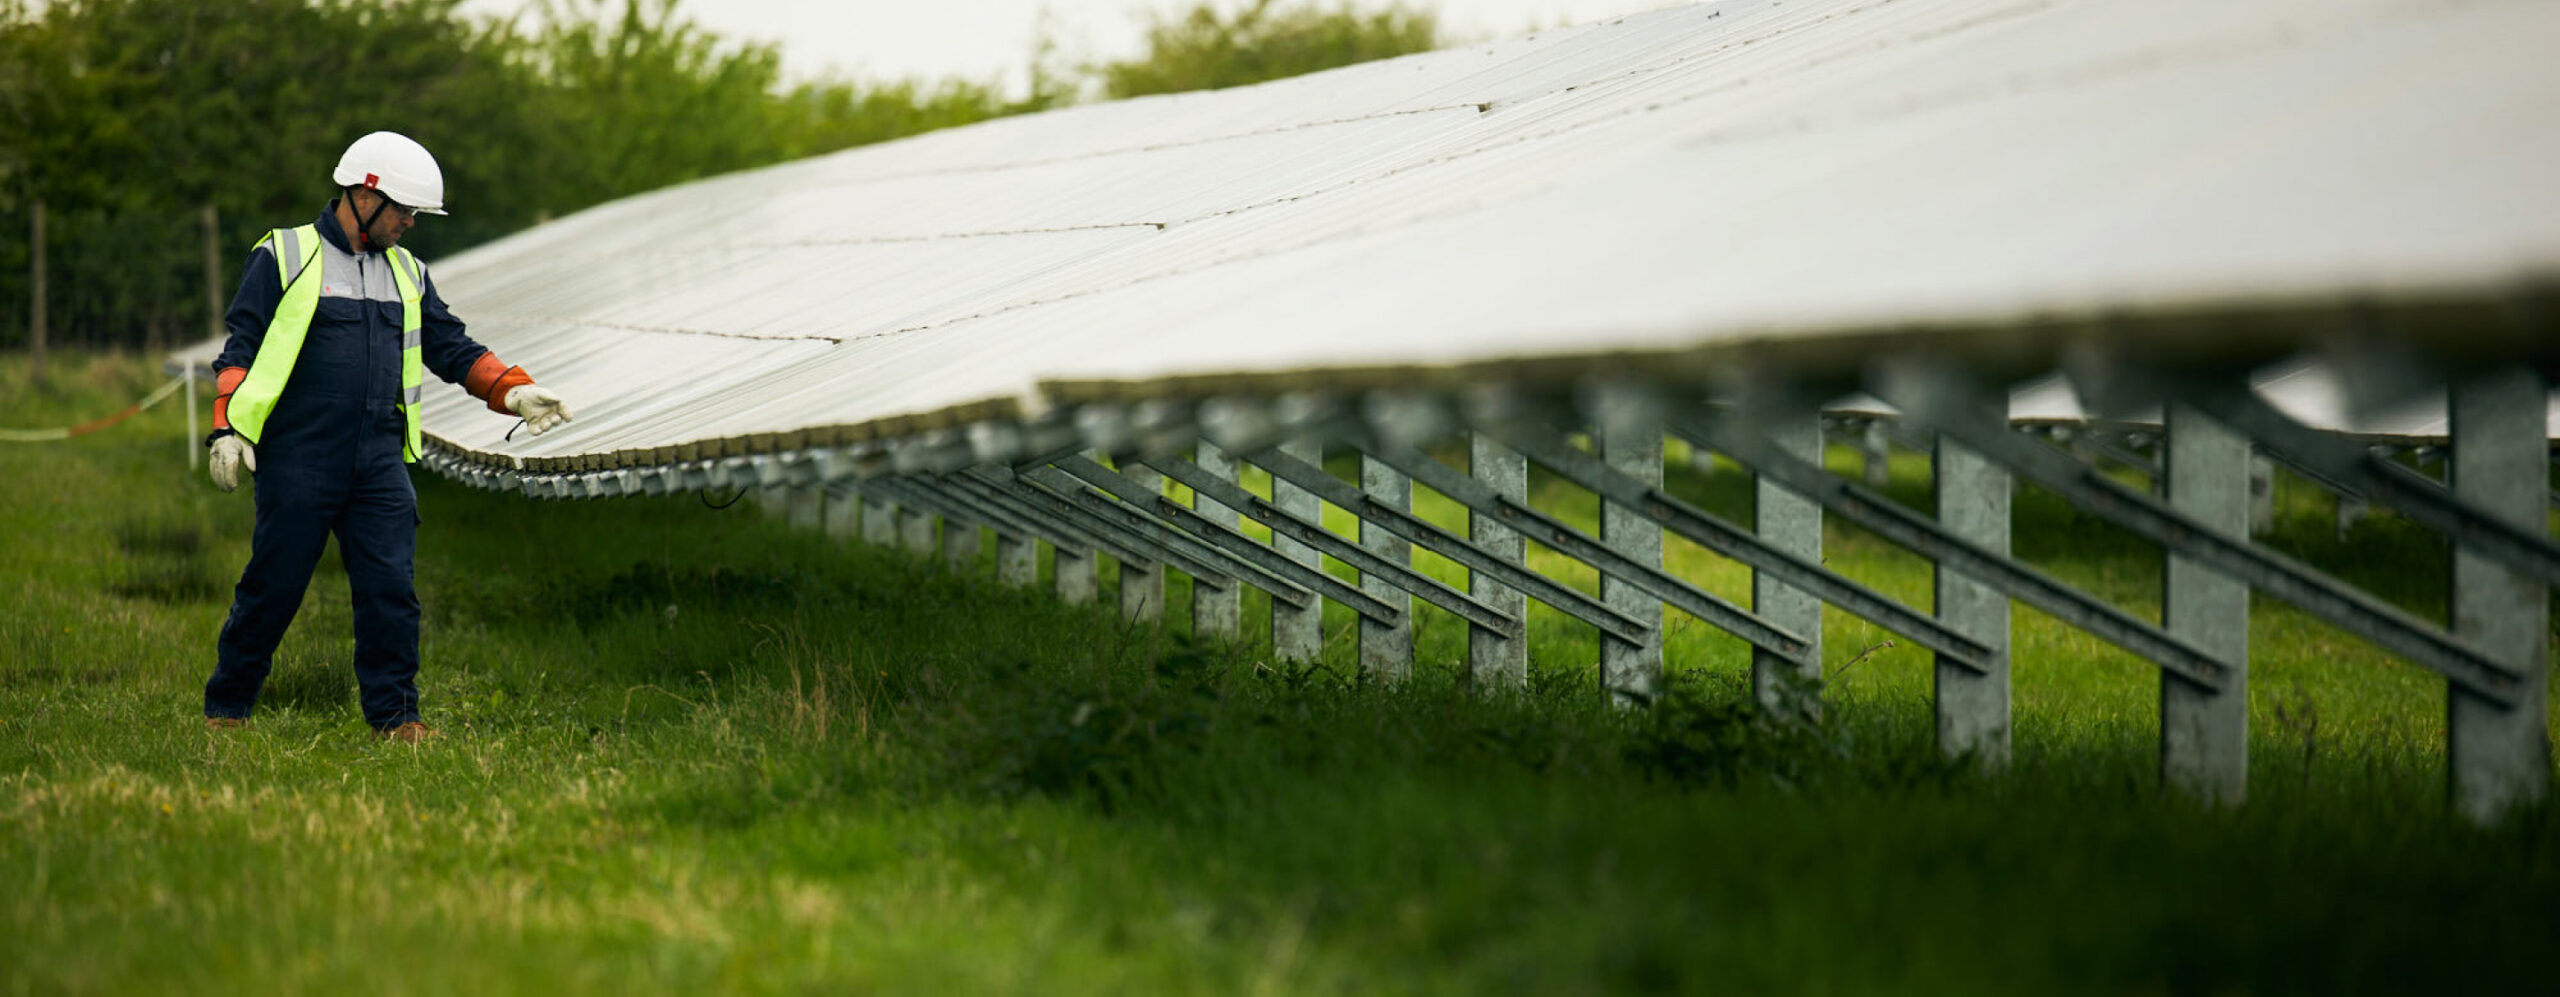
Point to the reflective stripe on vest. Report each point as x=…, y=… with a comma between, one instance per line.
x=296, y=250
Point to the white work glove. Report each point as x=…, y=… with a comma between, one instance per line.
x=537, y=406
x=230, y=454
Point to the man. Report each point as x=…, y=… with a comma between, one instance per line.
x=317, y=395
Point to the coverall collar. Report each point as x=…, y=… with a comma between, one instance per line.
x=330, y=230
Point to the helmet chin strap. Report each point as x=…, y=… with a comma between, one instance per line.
x=364, y=226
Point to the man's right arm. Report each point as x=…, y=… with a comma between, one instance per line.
x=261, y=289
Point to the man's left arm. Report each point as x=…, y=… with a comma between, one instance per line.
x=452, y=354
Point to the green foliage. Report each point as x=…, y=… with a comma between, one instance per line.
x=1204, y=49
x=126, y=117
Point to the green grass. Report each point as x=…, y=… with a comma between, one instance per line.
x=693, y=750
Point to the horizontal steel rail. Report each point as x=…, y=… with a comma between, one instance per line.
x=1065, y=497
x=1008, y=519
x=1234, y=543
x=1556, y=535
x=1284, y=587
x=1130, y=545
x=1742, y=545
x=1070, y=535
x=1927, y=537
x=914, y=497
x=1368, y=564
x=1565, y=598
x=2343, y=605
x=2351, y=467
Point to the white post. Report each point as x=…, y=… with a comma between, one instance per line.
x=915, y=531
x=1297, y=634
x=1142, y=587
x=1793, y=523
x=1496, y=661
x=1631, y=673
x=1017, y=560
x=2500, y=756
x=843, y=514
x=1973, y=502
x=1386, y=649
x=2204, y=733
x=879, y=522
x=1215, y=613
x=960, y=545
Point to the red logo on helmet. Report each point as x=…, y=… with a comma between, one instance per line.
x=372, y=181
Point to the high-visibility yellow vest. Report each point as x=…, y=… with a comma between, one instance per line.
x=297, y=251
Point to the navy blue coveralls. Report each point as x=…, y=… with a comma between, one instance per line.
x=330, y=463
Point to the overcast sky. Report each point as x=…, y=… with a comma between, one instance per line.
x=993, y=39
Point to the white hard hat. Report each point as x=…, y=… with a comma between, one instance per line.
x=396, y=165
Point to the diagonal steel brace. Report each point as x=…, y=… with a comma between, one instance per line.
x=1742, y=545
x=1555, y=534
x=1282, y=588
x=2350, y=467
x=1368, y=563
x=2343, y=605
x=1235, y=544
x=1923, y=535
x=1565, y=598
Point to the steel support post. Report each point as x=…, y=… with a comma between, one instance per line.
x=1017, y=550
x=1187, y=532
x=1074, y=573
x=843, y=514
x=2351, y=510
x=1129, y=536
x=1142, y=585
x=807, y=509
x=1583, y=547
x=1973, y=497
x=1215, y=613
x=960, y=544
x=1934, y=541
x=1741, y=545
x=1876, y=446
x=1019, y=508
x=1631, y=671
x=1017, y=560
x=2360, y=475
x=1790, y=522
x=1386, y=649
x=2262, y=495
x=963, y=494
x=774, y=501
x=1493, y=660
x=2204, y=733
x=1137, y=521
x=915, y=526
x=879, y=520
x=2499, y=754
x=2349, y=608
x=1297, y=632
x=1421, y=532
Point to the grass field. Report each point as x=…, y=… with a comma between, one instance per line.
x=692, y=750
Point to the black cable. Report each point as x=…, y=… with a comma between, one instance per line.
x=511, y=430
x=705, y=494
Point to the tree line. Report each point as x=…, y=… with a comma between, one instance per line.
x=122, y=121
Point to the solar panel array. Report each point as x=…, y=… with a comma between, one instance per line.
x=1748, y=185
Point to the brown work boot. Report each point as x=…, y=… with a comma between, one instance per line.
x=408, y=733
x=225, y=723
